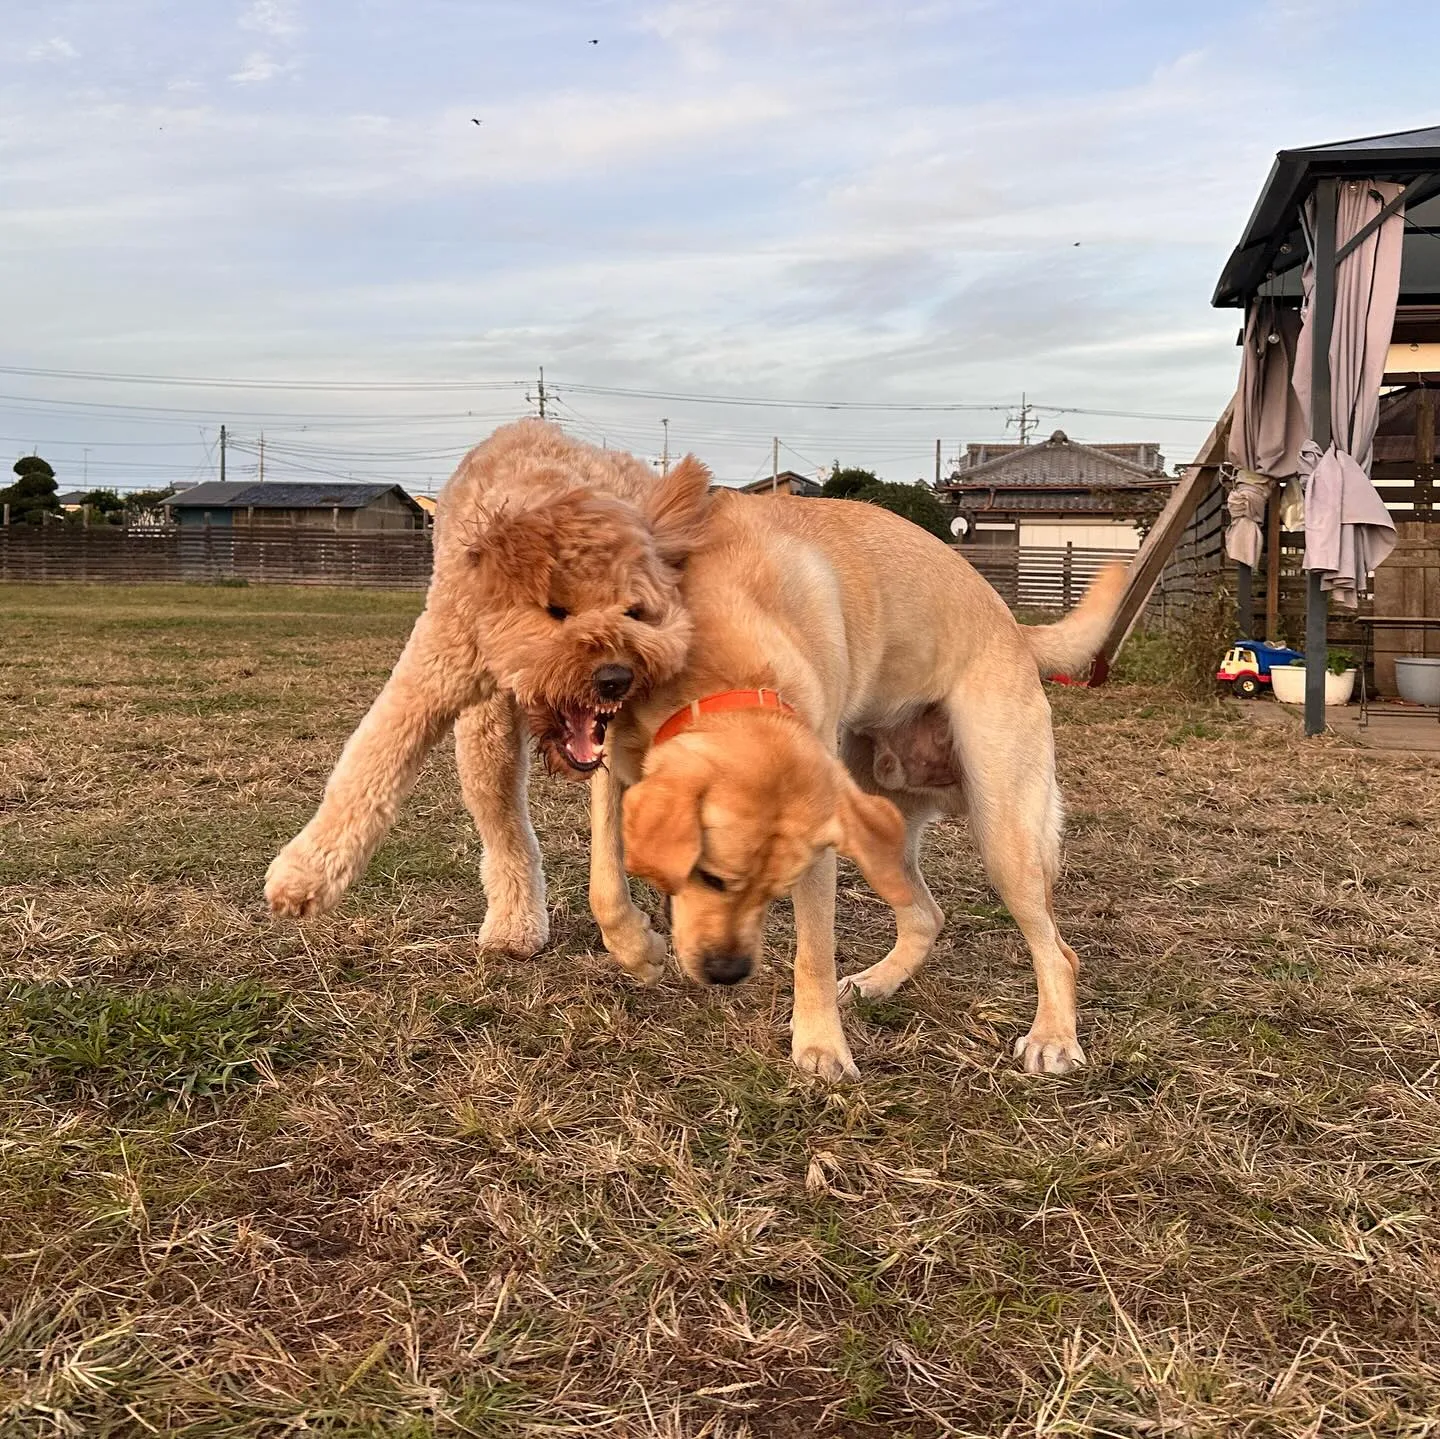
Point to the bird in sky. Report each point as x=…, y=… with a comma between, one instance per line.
x=594, y=42
x=474, y=121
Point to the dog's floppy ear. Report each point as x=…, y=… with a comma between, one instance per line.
x=662, y=831
x=871, y=831
x=512, y=548
x=676, y=509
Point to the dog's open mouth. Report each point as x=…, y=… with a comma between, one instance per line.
x=582, y=736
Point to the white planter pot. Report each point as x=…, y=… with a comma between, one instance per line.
x=1288, y=683
x=1418, y=680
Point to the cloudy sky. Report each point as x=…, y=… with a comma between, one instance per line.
x=945, y=203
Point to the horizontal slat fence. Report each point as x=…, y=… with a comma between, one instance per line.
x=1041, y=577
x=257, y=554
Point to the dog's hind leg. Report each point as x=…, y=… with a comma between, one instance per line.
x=624, y=927
x=916, y=926
x=427, y=688
x=1008, y=752
x=493, y=760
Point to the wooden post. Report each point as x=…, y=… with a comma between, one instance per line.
x=1066, y=575
x=7, y=516
x=1272, y=566
x=1244, y=601
x=1322, y=322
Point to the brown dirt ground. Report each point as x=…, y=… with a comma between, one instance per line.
x=354, y=1178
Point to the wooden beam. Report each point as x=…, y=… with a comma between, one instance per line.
x=1153, y=555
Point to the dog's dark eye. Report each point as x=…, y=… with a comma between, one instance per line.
x=634, y=613
x=712, y=880
x=557, y=612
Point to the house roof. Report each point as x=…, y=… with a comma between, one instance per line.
x=797, y=482
x=1056, y=502
x=283, y=495
x=1056, y=463
x=1272, y=245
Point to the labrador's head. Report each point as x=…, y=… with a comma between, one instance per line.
x=730, y=814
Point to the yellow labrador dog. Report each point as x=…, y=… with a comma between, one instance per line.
x=826, y=628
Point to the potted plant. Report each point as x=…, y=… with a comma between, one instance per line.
x=1288, y=681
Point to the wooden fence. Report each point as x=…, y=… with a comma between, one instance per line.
x=256, y=554
x=1039, y=577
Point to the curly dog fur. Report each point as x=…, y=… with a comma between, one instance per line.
x=555, y=594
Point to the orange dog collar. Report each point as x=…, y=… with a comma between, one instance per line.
x=682, y=719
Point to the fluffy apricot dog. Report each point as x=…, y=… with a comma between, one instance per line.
x=555, y=592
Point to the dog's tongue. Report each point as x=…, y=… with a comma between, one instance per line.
x=583, y=736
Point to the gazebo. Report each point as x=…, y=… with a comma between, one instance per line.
x=1339, y=261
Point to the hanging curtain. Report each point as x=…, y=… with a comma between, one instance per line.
x=1348, y=530
x=1268, y=427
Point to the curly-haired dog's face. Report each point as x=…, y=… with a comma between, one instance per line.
x=581, y=599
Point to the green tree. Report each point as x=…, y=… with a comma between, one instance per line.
x=32, y=496
x=104, y=505
x=845, y=484
x=143, y=500
x=916, y=503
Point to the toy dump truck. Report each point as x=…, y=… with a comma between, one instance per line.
x=1246, y=667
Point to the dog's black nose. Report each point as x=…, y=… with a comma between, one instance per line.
x=726, y=968
x=612, y=682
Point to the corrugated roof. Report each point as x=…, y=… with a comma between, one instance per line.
x=1056, y=462
x=282, y=495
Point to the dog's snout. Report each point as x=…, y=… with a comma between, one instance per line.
x=726, y=967
x=612, y=682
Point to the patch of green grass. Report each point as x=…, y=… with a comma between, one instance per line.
x=145, y=1047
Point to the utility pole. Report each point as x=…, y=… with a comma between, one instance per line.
x=222, y=454
x=262, y=457
x=775, y=465
x=87, y=467
x=1025, y=421
x=937, y=464
x=540, y=392
x=665, y=453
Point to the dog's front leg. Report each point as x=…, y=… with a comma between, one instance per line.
x=377, y=769
x=624, y=927
x=817, y=1038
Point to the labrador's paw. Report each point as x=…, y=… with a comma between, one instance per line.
x=1049, y=1053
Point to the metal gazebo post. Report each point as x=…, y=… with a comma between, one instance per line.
x=1322, y=321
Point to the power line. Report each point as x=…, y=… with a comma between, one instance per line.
x=113, y=377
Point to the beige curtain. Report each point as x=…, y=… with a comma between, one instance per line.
x=1269, y=427
x=1348, y=530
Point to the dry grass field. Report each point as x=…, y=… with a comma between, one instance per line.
x=354, y=1178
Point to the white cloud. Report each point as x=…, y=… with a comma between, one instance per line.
x=57, y=47
x=271, y=17
x=258, y=67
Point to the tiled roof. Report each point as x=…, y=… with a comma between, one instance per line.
x=1100, y=502
x=1058, y=461
x=281, y=495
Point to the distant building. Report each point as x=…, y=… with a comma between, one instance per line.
x=281, y=502
x=1057, y=492
x=787, y=482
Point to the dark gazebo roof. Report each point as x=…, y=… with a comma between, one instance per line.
x=1272, y=249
